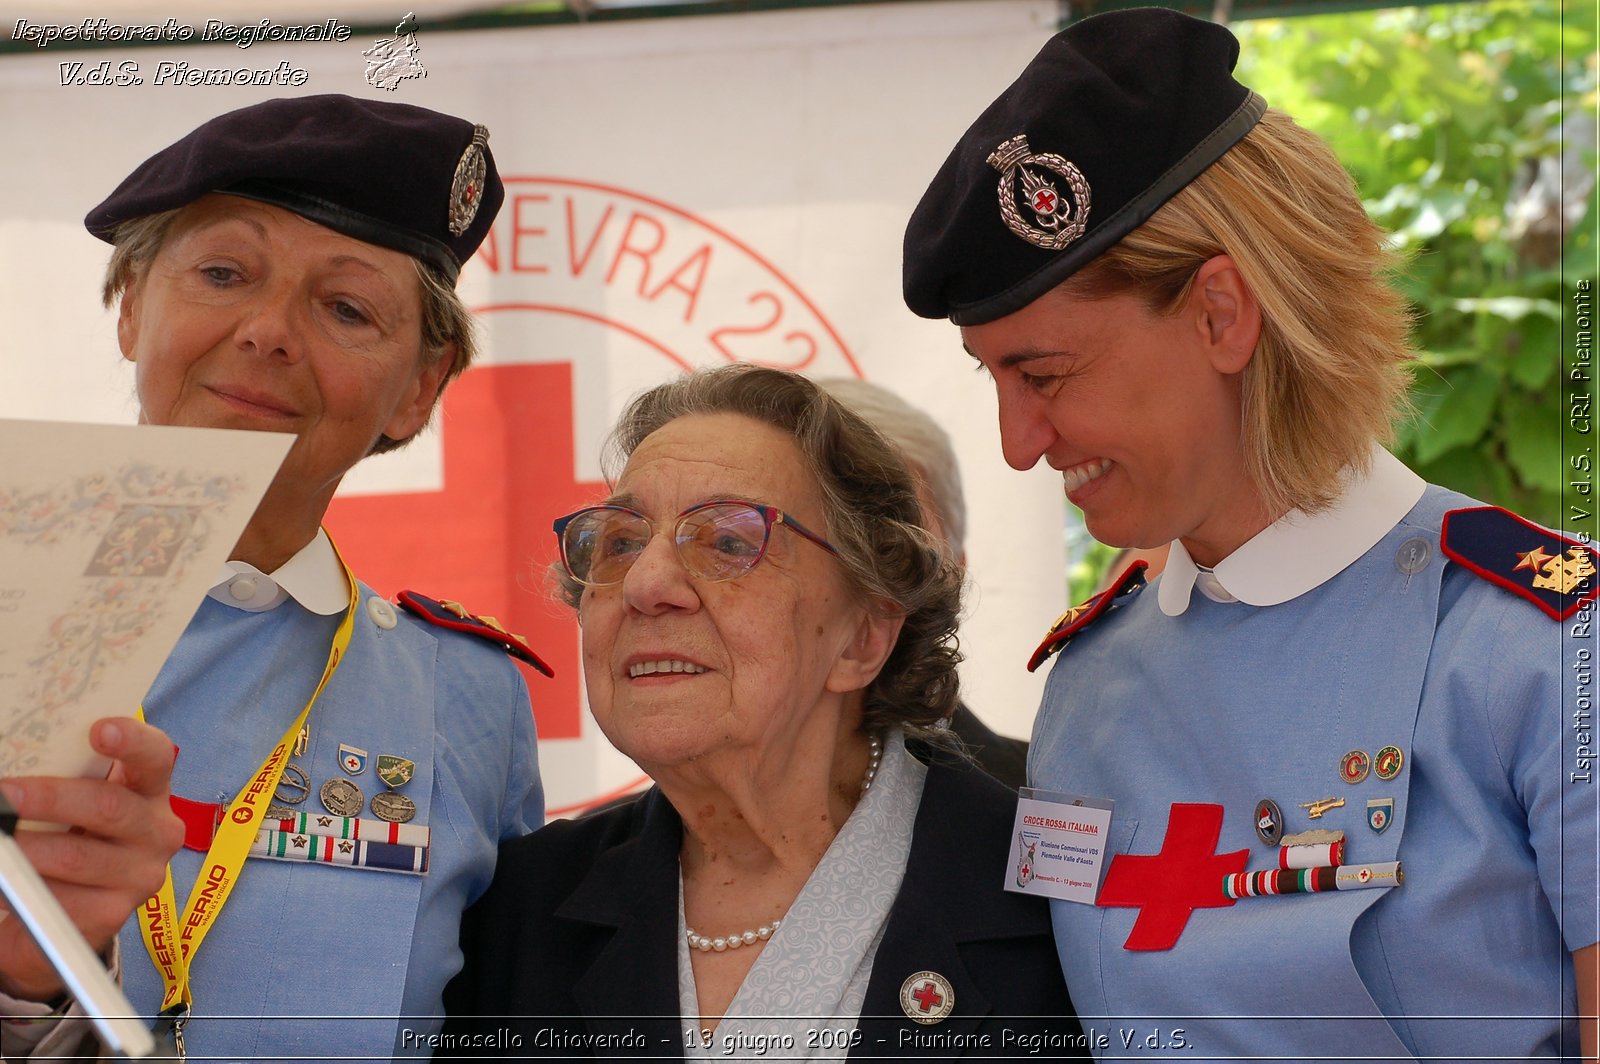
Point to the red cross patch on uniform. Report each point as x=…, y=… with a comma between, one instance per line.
x=1080, y=617
x=453, y=615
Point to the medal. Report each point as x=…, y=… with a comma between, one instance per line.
x=927, y=997
x=1387, y=765
x=1379, y=812
x=293, y=786
x=1269, y=821
x=393, y=806
x=390, y=805
x=341, y=797
x=395, y=771
x=352, y=759
x=1314, y=810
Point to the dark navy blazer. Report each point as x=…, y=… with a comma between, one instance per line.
x=575, y=943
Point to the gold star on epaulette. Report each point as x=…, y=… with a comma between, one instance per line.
x=1072, y=615
x=488, y=622
x=502, y=629
x=1533, y=559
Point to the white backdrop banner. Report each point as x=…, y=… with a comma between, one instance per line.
x=680, y=193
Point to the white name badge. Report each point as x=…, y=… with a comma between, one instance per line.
x=1058, y=845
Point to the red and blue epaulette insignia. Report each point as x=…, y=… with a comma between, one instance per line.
x=1553, y=572
x=453, y=615
x=1078, y=618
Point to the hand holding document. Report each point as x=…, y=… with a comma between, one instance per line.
x=110, y=536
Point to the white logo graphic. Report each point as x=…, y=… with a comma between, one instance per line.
x=392, y=60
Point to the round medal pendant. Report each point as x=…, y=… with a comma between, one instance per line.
x=1269, y=822
x=1353, y=766
x=1388, y=763
x=393, y=806
x=293, y=785
x=927, y=997
x=341, y=797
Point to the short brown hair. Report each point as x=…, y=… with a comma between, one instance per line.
x=1331, y=371
x=445, y=318
x=874, y=521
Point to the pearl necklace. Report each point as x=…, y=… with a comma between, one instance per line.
x=766, y=931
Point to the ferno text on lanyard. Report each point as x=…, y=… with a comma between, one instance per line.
x=173, y=942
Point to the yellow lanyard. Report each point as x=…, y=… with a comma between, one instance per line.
x=172, y=944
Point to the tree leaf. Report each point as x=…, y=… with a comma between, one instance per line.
x=1531, y=429
x=1456, y=414
x=1537, y=354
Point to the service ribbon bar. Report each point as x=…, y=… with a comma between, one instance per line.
x=325, y=825
x=1312, y=880
x=323, y=849
x=1320, y=855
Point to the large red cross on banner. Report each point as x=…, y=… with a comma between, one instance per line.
x=485, y=539
x=1168, y=886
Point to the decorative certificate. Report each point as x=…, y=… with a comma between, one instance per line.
x=110, y=536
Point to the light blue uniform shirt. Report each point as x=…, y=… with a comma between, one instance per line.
x=349, y=949
x=1330, y=645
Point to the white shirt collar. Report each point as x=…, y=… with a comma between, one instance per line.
x=313, y=578
x=1299, y=551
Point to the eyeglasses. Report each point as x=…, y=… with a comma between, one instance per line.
x=715, y=540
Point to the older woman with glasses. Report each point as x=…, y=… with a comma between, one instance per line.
x=767, y=630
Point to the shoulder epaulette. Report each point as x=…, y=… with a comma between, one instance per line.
x=454, y=616
x=1553, y=572
x=1078, y=618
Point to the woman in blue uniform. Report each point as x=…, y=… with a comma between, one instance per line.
x=1345, y=734
x=291, y=267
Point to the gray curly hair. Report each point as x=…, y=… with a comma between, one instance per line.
x=872, y=515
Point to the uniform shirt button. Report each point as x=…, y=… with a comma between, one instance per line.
x=1412, y=557
x=381, y=612
x=242, y=588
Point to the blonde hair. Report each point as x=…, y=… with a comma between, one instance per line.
x=1331, y=371
x=445, y=318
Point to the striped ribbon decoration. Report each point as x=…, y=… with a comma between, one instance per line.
x=1315, y=856
x=326, y=825
x=353, y=853
x=1313, y=880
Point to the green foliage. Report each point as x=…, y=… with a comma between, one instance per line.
x=1444, y=116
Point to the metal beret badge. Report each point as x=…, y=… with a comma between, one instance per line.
x=1060, y=220
x=466, y=190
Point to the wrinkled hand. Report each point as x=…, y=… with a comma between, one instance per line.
x=123, y=832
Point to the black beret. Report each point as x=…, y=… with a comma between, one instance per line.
x=390, y=174
x=1114, y=116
